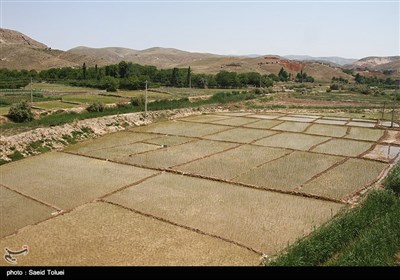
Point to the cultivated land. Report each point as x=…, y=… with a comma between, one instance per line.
x=217, y=189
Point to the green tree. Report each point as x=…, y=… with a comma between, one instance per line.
x=189, y=78
x=20, y=112
x=109, y=83
x=175, y=77
x=283, y=75
x=123, y=69
x=84, y=70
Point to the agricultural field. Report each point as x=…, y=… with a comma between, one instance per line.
x=216, y=189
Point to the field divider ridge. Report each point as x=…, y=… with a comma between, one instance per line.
x=32, y=198
x=183, y=226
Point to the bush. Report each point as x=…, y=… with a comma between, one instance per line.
x=393, y=180
x=328, y=90
x=21, y=112
x=96, y=107
x=138, y=101
x=334, y=87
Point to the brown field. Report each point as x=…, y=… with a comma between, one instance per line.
x=218, y=189
x=251, y=217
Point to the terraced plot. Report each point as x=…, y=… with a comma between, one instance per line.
x=264, y=124
x=261, y=220
x=345, y=179
x=292, y=141
x=240, y=135
x=181, y=128
x=176, y=155
x=327, y=130
x=251, y=184
x=109, y=141
x=238, y=121
x=233, y=162
x=292, y=126
x=367, y=134
x=288, y=172
x=66, y=181
x=18, y=211
x=103, y=234
x=343, y=147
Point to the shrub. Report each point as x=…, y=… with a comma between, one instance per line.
x=334, y=87
x=21, y=112
x=393, y=180
x=328, y=90
x=137, y=101
x=95, y=107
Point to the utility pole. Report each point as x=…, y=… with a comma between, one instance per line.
x=145, y=102
x=31, y=92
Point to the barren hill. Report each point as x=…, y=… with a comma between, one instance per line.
x=19, y=51
x=159, y=57
x=376, y=63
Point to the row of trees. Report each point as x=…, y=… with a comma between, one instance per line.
x=130, y=76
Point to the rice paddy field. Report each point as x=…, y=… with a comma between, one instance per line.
x=217, y=189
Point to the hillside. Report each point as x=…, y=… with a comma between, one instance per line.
x=335, y=60
x=18, y=51
x=376, y=63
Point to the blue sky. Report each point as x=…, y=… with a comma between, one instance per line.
x=350, y=29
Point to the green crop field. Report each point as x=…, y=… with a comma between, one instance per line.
x=90, y=98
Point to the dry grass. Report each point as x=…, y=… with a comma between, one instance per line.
x=345, y=179
x=264, y=221
x=295, y=141
x=343, y=147
x=231, y=163
x=288, y=172
x=4, y=111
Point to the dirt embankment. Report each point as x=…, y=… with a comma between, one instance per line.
x=57, y=137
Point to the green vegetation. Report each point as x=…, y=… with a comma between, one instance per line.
x=20, y=112
x=393, y=180
x=95, y=107
x=16, y=155
x=368, y=235
x=11, y=98
x=63, y=118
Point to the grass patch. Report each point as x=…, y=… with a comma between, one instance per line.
x=2, y=161
x=352, y=238
x=393, y=180
x=63, y=118
x=16, y=155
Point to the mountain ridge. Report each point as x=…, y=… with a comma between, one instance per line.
x=22, y=52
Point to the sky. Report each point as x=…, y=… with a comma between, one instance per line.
x=352, y=29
